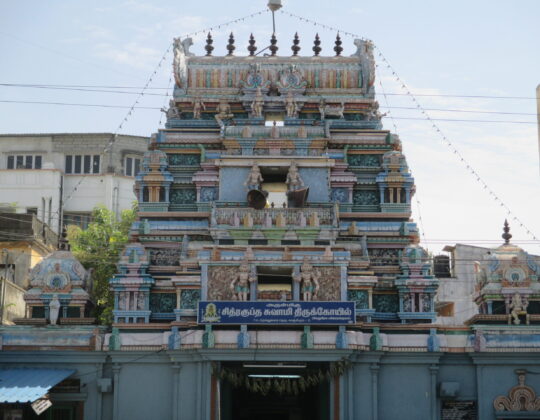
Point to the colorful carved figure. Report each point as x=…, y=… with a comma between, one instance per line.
x=309, y=279
x=257, y=104
x=374, y=114
x=331, y=110
x=54, y=309
x=172, y=111
x=364, y=50
x=254, y=179
x=181, y=52
x=198, y=105
x=518, y=307
x=223, y=112
x=290, y=105
x=294, y=181
x=240, y=284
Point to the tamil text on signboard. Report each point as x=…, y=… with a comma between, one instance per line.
x=276, y=312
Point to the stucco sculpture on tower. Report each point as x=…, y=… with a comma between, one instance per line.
x=223, y=112
x=257, y=104
x=181, y=52
x=294, y=180
x=254, y=179
x=309, y=281
x=241, y=283
x=291, y=106
x=198, y=106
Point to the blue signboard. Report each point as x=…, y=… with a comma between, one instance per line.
x=276, y=312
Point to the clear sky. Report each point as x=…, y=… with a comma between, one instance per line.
x=479, y=48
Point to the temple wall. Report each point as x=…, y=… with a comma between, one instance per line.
x=317, y=181
x=177, y=384
x=231, y=186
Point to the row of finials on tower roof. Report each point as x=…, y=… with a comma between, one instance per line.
x=252, y=48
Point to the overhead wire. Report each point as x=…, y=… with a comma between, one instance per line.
x=145, y=87
x=166, y=88
x=427, y=117
x=158, y=108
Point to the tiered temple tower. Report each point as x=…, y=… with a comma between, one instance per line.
x=274, y=181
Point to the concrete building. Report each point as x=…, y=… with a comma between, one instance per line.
x=66, y=175
x=274, y=272
x=454, y=296
x=24, y=241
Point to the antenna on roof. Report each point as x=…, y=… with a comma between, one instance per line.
x=274, y=5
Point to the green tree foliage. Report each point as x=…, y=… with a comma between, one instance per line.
x=98, y=248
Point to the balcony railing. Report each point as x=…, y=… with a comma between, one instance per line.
x=27, y=227
x=281, y=132
x=275, y=217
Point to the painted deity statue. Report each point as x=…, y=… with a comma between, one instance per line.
x=309, y=279
x=254, y=179
x=257, y=104
x=290, y=105
x=198, y=106
x=181, y=52
x=223, y=112
x=172, y=111
x=518, y=307
x=240, y=284
x=294, y=181
x=54, y=309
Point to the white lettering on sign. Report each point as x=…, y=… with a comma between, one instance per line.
x=41, y=405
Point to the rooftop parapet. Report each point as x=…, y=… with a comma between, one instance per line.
x=274, y=75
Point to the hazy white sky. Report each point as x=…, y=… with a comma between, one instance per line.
x=461, y=47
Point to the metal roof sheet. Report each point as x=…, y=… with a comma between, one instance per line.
x=27, y=385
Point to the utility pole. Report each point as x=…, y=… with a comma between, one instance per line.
x=4, y=279
x=538, y=120
x=274, y=5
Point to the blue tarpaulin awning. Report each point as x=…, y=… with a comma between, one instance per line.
x=27, y=385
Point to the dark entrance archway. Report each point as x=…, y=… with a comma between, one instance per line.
x=240, y=403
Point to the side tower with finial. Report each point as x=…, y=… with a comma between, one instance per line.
x=507, y=287
x=60, y=292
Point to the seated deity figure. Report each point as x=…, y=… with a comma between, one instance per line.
x=257, y=104
x=254, y=179
x=309, y=278
x=240, y=284
x=198, y=106
x=290, y=105
x=172, y=111
x=293, y=181
x=223, y=112
x=518, y=308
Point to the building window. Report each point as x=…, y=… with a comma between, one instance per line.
x=78, y=219
x=24, y=162
x=82, y=164
x=131, y=166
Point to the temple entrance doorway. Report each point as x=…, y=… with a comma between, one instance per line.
x=281, y=402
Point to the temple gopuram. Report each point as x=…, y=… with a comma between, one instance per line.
x=274, y=181
x=274, y=270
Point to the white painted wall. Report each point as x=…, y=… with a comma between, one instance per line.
x=27, y=187
x=460, y=288
x=113, y=191
x=81, y=193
